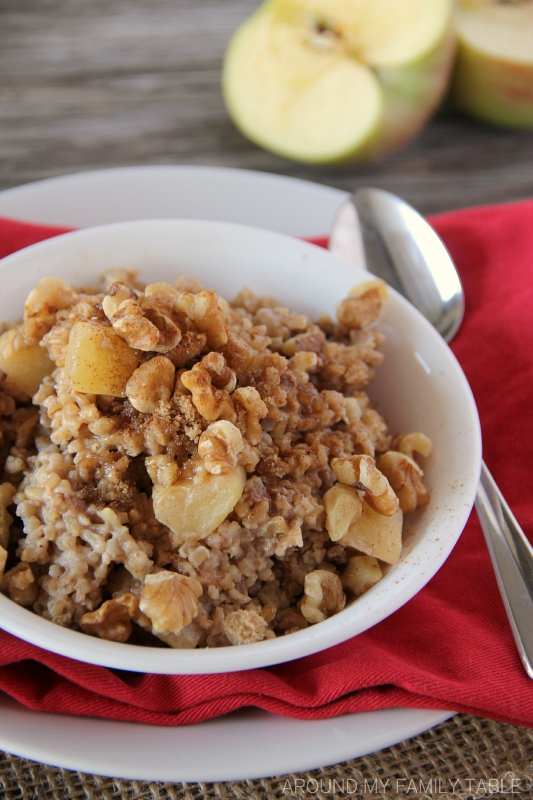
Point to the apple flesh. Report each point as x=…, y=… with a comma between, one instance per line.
x=493, y=77
x=325, y=81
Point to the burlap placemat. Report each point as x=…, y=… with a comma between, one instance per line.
x=465, y=757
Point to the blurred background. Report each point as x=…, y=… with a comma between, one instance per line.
x=92, y=84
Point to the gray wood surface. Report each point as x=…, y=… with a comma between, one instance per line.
x=89, y=84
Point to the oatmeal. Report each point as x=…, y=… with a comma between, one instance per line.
x=181, y=470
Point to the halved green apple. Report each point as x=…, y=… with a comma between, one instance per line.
x=493, y=77
x=324, y=81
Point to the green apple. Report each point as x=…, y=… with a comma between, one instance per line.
x=326, y=81
x=493, y=78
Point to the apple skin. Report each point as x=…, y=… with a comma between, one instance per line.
x=411, y=93
x=493, y=90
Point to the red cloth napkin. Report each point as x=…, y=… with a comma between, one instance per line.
x=448, y=647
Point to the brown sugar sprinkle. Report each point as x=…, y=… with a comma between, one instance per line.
x=186, y=471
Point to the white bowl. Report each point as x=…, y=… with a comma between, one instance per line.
x=419, y=387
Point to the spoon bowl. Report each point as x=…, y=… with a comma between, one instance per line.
x=403, y=249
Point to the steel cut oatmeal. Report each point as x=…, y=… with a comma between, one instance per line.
x=179, y=469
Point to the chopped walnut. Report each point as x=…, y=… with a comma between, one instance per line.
x=244, y=626
x=219, y=446
x=126, y=276
x=222, y=377
x=343, y=507
x=406, y=479
x=361, y=573
x=112, y=620
x=43, y=302
x=239, y=353
x=169, y=331
x=21, y=584
x=411, y=443
x=116, y=294
x=310, y=342
x=210, y=402
x=127, y=318
x=323, y=595
x=255, y=409
x=170, y=600
x=186, y=283
x=162, y=469
x=361, y=472
x=363, y=304
x=190, y=346
x=289, y=620
x=302, y=363
x=150, y=386
x=7, y=491
x=146, y=323
x=204, y=311
x=290, y=536
x=354, y=412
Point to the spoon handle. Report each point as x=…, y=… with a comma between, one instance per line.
x=512, y=560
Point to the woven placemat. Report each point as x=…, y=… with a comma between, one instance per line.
x=465, y=757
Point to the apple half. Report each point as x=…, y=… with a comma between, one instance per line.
x=493, y=77
x=325, y=81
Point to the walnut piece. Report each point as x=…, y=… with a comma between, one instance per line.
x=406, y=479
x=289, y=620
x=222, y=377
x=411, y=443
x=310, y=342
x=21, y=584
x=42, y=304
x=170, y=600
x=302, y=363
x=323, y=595
x=361, y=472
x=219, y=446
x=151, y=385
x=343, y=507
x=148, y=322
x=363, y=304
x=117, y=293
x=289, y=536
x=162, y=469
x=205, y=312
x=112, y=620
x=210, y=402
x=244, y=626
x=361, y=573
x=255, y=409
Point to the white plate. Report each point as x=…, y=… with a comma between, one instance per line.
x=248, y=744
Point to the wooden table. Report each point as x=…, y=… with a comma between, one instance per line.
x=102, y=83
x=89, y=84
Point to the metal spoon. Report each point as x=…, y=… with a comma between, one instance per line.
x=379, y=231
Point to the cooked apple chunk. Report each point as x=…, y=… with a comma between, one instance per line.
x=376, y=535
x=98, y=361
x=194, y=506
x=26, y=366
